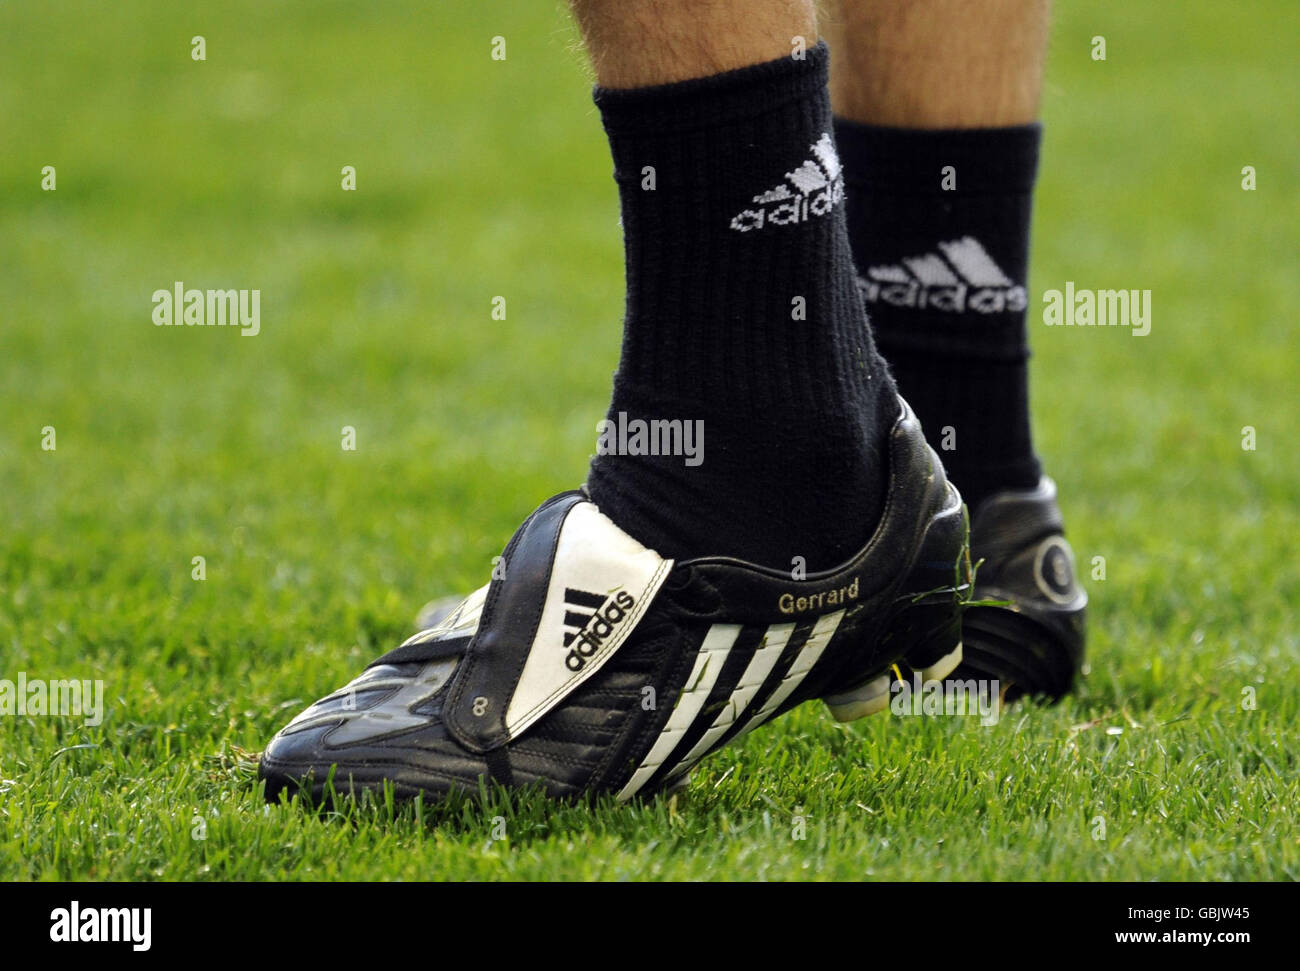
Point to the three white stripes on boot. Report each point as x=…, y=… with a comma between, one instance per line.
x=709, y=663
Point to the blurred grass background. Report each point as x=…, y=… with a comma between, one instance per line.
x=478, y=178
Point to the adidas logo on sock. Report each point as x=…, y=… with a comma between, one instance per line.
x=589, y=618
x=813, y=189
x=963, y=278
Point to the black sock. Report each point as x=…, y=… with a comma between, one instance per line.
x=943, y=273
x=743, y=315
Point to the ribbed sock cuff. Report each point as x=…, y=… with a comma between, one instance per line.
x=986, y=161
x=720, y=99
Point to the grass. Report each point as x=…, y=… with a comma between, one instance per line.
x=478, y=178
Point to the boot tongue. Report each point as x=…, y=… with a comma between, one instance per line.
x=572, y=588
x=448, y=637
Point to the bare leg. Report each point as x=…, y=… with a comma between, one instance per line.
x=635, y=43
x=937, y=63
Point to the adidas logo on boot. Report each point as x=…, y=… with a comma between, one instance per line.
x=589, y=618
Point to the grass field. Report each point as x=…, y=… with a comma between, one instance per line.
x=478, y=178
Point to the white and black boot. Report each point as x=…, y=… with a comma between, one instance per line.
x=591, y=664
